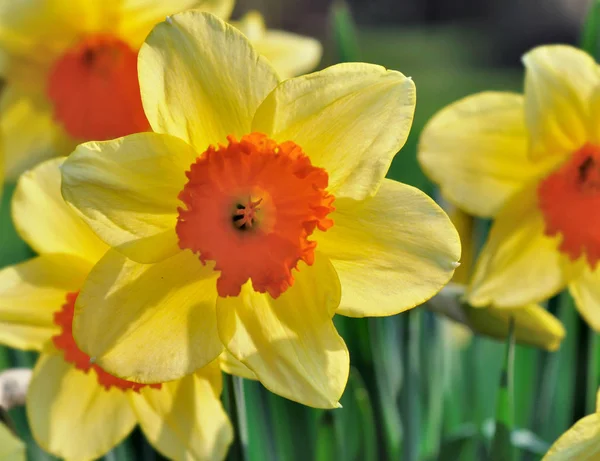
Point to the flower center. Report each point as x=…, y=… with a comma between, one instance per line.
x=72, y=354
x=250, y=207
x=95, y=91
x=570, y=199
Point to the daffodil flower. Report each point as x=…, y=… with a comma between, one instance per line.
x=11, y=448
x=77, y=410
x=531, y=162
x=211, y=216
x=70, y=69
x=580, y=442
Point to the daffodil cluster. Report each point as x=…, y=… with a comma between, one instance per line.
x=216, y=216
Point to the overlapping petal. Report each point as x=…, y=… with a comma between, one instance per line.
x=476, y=150
x=139, y=16
x=71, y=415
x=350, y=119
x=201, y=80
x=127, y=189
x=519, y=264
x=392, y=252
x=290, y=343
x=559, y=82
x=148, y=322
x=231, y=365
x=585, y=288
x=46, y=222
x=31, y=292
x=580, y=442
x=29, y=132
x=11, y=448
x=185, y=418
x=290, y=54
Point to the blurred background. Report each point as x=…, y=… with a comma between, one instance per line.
x=421, y=386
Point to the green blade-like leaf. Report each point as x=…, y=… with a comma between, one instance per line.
x=344, y=32
x=591, y=30
x=502, y=448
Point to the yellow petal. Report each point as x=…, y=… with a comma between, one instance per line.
x=559, y=81
x=149, y=322
x=580, y=443
x=29, y=133
x=126, y=190
x=585, y=289
x=476, y=151
x=185, y=418
x=30, y=294
x=519, y=264
x=11, y=448
x=290, y=54
x=201, y=80
x=231, y=365
x=46, y=222
x=350, y=119
x=138, y=17
x=71, y=415
x=400, y=240
x=534, y=325
x=290, y=343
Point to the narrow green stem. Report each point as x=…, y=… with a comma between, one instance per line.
x=591, y=30
x=236, y=408
x=592, y=372
x=411, y=392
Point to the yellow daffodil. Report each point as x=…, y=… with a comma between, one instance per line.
x=531, y=162
x=11, y=448
x=580, y=442
x=77, y=410
x=534, y=325
x=290, y=54
x=210, y=216
x=62, y=58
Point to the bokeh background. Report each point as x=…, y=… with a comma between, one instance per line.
x=421, y=387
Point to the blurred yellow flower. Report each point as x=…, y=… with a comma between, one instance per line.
x=71, y=69
x=242, y=170
x=290, y=54
x=580, y=442
x=532, y=163
x=76, y=410
x=11, y=448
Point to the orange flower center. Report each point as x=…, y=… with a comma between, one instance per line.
x=570, y=202
x=72, y=354
x=95, y=91
x=250, y=207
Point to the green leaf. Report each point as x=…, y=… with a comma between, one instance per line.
x=502, y=448
x=344, y=32
x=591, y=30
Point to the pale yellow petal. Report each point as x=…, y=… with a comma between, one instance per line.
x=28, y=133
x=559, y=81
x=519, y=264
x=231, y=365
x=476, y=150
x=534, y=325
x=138, y=17
x=290, y=54
x=126, y=190
x=30, y=294
x=162, y=317
x=71, y=415
x=46, y=222
x=350, y=119
x=290, y=343
x=11, y=448
x=585, y=289
x=392, y=252
x=201, y=80
x=185, y=419
x=580, y=443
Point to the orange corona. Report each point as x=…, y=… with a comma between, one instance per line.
x=95, y=91
x=72, y=354
x=250, y=207
x=570, y=199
